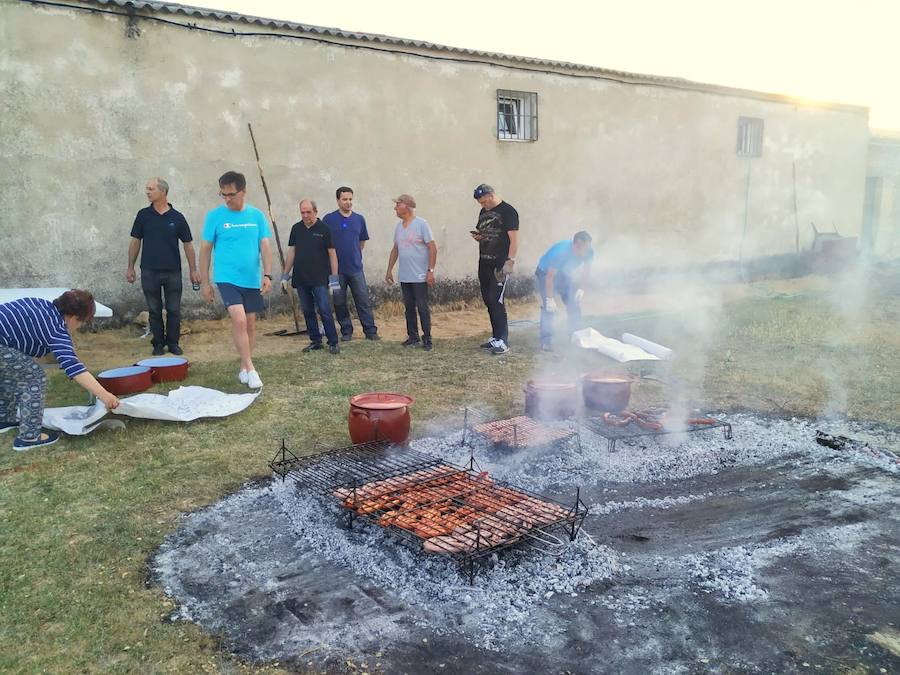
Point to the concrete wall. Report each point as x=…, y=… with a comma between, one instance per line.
x=95, y=104
x=883, y=171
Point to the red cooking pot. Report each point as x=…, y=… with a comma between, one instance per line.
x=379, y=415
x=167, y=368
x=128, y=380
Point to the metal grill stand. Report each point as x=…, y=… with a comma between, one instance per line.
x=516, y=433
x=432, y=505
x=614, y=434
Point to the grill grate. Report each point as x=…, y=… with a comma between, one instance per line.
x=515, y=433
x=436, y=506
x=612, y=434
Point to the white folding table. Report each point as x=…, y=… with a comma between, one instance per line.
x=10, y=294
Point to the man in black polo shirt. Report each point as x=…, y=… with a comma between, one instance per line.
x=497, y=234
x=312, y=258
x=160, y=227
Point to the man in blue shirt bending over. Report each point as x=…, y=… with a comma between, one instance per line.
x=556, y=274
x=349, y=236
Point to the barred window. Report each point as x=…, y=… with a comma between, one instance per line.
x=517, y=118
x=749, y=137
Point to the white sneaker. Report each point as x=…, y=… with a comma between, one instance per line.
x=253, y=380
x=242, y=377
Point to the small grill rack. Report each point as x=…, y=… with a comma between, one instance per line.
x=380, y=481
x=613, y=434
x=516, y=433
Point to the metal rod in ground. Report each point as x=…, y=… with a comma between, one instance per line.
x=262, y=178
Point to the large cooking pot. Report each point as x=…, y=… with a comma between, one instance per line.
x=548, y=398
x=166, y=368
x=127, y=380
x=379, y=415
x=603, y=392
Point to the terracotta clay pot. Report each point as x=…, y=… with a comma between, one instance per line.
x=379, y=415
x=550, y=399
x=602, y=392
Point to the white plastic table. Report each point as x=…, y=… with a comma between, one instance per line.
x=10, y=294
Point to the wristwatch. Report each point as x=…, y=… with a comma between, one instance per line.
x=431, y=270
x=268, y=276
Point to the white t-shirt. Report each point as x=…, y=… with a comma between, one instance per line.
x=412, y=245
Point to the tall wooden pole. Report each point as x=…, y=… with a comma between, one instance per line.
x=262, y=178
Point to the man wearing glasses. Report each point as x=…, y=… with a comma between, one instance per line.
x=235, y=236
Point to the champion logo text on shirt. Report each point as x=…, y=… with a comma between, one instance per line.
x=228, y=226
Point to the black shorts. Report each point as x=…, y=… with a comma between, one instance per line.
x=250, y=298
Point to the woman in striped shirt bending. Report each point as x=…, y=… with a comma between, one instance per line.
x=32, y=327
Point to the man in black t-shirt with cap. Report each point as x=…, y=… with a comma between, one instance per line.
x=160, y=227
x=497, y=234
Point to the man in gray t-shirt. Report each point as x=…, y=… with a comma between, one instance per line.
x=415, y=248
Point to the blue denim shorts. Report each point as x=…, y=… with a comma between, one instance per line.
x=250, y=298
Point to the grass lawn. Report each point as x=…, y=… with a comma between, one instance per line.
x=80, y=518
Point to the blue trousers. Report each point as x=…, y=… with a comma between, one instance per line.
x=565, y=287
x=355, y=284
x=23, y=388
x=313, y=299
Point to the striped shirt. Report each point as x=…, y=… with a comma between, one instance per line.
x=36, y=327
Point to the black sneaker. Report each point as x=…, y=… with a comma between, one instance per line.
x=158, y=350
x=312, y=346
x=500, y=347
x=375, y=337
x=6, y=426
x=426, y=345
x=346, y=338
x=44, y=438
x=410, y=342
x=176, y=350
x=488, y=345
x=334, y=349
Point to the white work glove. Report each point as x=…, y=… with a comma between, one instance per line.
x=285, y=283
x=550, y=305
x=334, y=283
x=579, y=294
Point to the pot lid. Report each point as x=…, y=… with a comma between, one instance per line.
x=381, y=400
x=162, y=361
x=127, y=371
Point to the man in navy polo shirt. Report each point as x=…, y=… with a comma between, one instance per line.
x=312, y=259
x=160, y=227
x=349, y=236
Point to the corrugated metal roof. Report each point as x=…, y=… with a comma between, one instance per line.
x=463, y=54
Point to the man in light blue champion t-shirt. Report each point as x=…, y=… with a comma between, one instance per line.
x=235, y=236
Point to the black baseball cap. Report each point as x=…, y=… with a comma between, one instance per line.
x=482, y=190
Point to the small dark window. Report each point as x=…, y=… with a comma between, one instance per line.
x=516, y=115
x=750, y=136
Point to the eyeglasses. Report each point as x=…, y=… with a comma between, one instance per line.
x=228, y=195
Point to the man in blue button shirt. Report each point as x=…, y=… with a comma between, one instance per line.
x=349, y=236
x=555, y=273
